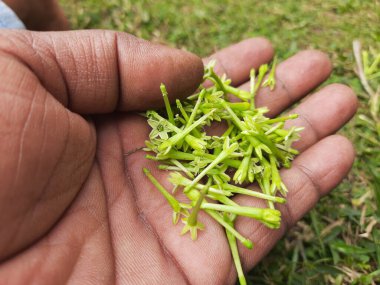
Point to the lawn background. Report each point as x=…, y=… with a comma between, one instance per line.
x=339, y=241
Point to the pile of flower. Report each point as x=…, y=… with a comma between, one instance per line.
x=211, y=169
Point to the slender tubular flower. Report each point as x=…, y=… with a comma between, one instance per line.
x=270, y=217
x=191, y=222
x=173, y=202
x=240, y=190
x=167, y=103
x=271, y=80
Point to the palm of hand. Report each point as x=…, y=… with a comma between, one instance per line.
x=75, y=203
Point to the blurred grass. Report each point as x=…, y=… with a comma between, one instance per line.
x=339, y=241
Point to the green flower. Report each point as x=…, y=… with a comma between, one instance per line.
x=193, y=229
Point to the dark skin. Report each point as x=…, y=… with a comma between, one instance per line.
x=75, y=206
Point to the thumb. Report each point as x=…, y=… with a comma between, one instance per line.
x=96, y=71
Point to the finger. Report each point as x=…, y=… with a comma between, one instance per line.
x=237, y=60
x=101, y=71
x=295, y=77
x=323, y=113
x=313, y=174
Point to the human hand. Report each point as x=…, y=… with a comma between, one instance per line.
x=75, y=206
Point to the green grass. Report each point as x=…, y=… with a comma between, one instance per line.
x=328, y=245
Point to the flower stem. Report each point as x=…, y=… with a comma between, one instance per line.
x=167, y=103
x=224, y=154
x=281, y=119
x=240, y=190
x=235, y=254
x=216, y=216
x=180, y=166
x=262, y=71
x=192, y=220
x=174, y=154
x=195, y=110
x=169, y=197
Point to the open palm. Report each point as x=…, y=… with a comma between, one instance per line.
x=75, y=206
